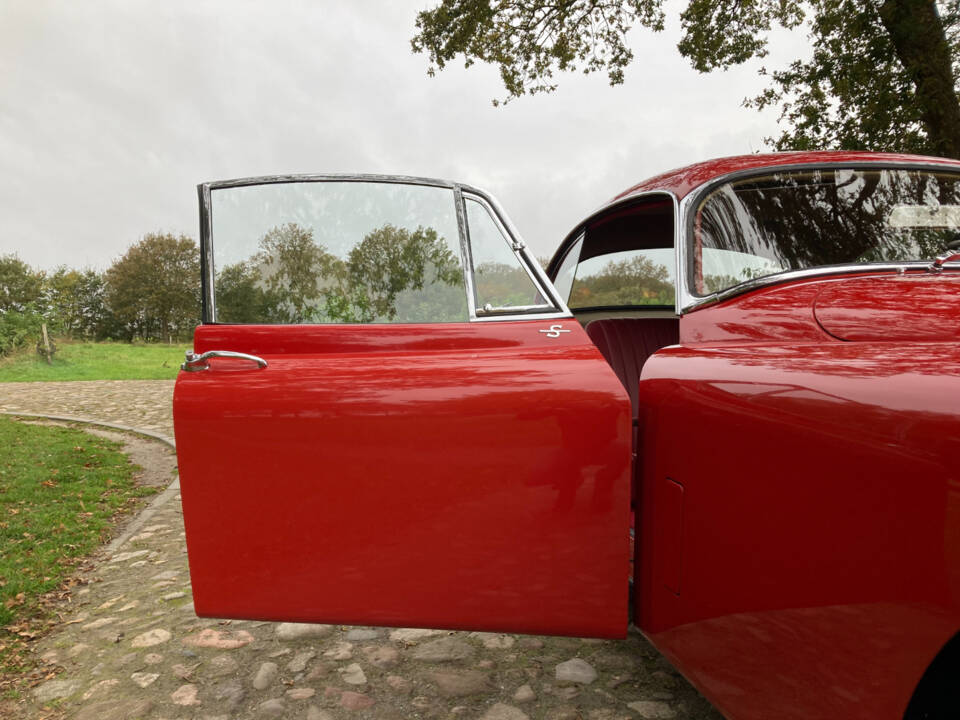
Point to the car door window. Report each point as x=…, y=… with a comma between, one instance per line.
x=502, y=283
x=336, y=252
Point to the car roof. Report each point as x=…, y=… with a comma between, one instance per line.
x=684, y=180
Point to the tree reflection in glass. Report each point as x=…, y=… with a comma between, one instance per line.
x=378, y=261
x=802, y=219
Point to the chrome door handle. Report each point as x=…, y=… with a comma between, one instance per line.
x=195, y=362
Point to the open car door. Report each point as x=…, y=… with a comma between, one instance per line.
x=391, y=418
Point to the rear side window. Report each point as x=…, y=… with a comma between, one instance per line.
x=633, y=277
x=336, y=252
x=624, y=259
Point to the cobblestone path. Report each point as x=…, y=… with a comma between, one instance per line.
x=132, y=647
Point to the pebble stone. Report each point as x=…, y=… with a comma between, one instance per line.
x=501, y=711
x=297, y=631
x=229, y=694
x=185, y=695
x=55, y=689
x=361, y=634
x=576, y=670
x=461, y=683
x=652, y=709
x=300, y=660
x=144, y=679
x=444, y=649
x=524, y=694
x=151, y=638
x=355, y=701
x=353, y=674
x=271, y=708
x=266, y=674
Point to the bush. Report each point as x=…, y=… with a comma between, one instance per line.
x=18, y=329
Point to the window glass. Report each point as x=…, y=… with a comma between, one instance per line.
x=800, y=219
x=632, y=277
x=337, y=252
x=568, y=270
x=500, y=279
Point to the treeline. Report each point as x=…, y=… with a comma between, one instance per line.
x=150, y=293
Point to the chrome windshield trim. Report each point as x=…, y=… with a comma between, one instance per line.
x=690, y=302
x=814, y=272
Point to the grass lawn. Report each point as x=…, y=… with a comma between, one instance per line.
x=60, y=490
x=95, y=361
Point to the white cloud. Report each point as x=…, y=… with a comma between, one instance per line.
x=112, y=112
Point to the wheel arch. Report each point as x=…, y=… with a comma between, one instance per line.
x=937, y=696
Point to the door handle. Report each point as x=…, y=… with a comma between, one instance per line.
x=195, y=362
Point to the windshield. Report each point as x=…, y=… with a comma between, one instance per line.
x=801, y=219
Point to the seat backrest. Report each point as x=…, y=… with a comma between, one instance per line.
x=626, y=343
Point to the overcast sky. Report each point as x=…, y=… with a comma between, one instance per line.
x=111, y=112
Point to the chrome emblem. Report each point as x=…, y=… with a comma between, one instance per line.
x=554, y=331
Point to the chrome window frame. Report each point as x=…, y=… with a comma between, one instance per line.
x=688, y=301
x=527, y=262
x=543, y=284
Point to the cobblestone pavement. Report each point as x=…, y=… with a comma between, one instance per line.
x=132, y=646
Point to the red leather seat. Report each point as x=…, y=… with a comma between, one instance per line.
x=626, y=343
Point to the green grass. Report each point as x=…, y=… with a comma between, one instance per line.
x=95, y=361
x=60, y=491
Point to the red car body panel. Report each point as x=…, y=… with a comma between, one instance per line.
x=820, y=555
x=797, y=549
x=317, y=489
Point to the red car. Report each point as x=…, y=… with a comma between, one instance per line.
x=394, y=417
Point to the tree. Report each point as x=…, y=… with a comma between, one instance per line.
x=390, y=262
x=883, y=74
x=74, y=302
x=20, y=286
x=634, y=281
x=241, y=297
x=153, y=291
x=291, y=266
x=20, y=296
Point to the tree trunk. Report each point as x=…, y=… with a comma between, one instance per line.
x=47, y=352
x=921, y=45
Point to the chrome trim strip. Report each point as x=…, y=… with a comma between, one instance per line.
x=328, y=177
x=532, y=316
x=690, y=302
x=465, y=253
x=810, y=273
x=525, y=309
x=208, y=309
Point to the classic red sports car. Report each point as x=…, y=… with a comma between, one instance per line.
x=393, y=416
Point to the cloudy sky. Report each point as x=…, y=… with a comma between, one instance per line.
x=111, y=112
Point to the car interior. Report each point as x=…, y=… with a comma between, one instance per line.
x=619, y=279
